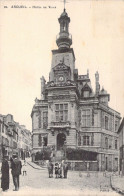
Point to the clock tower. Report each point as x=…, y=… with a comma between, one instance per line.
x=62, y=90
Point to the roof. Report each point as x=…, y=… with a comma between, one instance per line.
x=64, y=13
x=121, y=125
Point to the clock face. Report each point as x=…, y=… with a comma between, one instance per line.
x=61, y=78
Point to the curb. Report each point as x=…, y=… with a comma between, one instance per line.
x=117, y=189
x=35, y=167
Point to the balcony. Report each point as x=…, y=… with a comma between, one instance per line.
x=60, y=124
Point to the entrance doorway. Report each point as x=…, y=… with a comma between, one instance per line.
x=61, y=138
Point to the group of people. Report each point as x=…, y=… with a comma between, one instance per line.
x=16, y=166
x=61, y=169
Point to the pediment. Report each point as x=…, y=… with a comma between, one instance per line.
x=86, y=87
x=61, y=66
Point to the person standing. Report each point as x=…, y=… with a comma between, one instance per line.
x=16, y=171
x=56, y=170
x=65, y=169
x=60, y=170
x=24, y=168
x=50, y=169
x=5, y=174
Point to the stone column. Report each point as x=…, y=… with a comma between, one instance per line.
x=99, y=158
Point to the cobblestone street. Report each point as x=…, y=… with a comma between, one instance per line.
x=37, y=183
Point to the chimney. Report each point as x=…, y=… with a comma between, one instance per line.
x=97, y=83
x=43, y=81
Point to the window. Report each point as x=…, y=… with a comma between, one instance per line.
x=61, y=112
x=14, y=134
x=92, y=139
x=39, y=120
x=116, y=145
x=86, y=93
x=45, y=141
x=106, y=142
x=86, y=118
x=39, y=140
x=14, y=145
x=86, y=140
x=106, y=122
x=45, y=120
x=116, y=126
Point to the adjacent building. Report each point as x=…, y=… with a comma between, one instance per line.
x=121, y=147
x=24, y=142
x=11, y=137
x=70, y=113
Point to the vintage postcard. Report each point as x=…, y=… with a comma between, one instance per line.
x=62, y=97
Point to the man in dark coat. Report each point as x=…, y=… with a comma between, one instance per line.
x=56, y=169
x=16, y=171
x=5, y=174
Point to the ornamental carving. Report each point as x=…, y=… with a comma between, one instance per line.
x=61, y=66
x=59, y=97
x=56, y=84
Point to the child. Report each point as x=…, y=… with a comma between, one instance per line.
x=24, y=168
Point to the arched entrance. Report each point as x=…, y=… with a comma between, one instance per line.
x=61, y=138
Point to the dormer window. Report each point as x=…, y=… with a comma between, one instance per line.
x=86, y=90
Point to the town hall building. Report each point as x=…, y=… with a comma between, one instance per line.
x=70, y=113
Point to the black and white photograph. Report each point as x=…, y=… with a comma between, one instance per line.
x=61, y=97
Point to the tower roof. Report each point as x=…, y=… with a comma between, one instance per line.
x=64, y=13
x=64, y=39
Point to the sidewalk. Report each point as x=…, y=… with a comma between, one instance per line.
x=35, y=166
x=117, y=184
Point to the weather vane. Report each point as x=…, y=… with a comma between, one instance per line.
x=64, y=1
x=64, y=4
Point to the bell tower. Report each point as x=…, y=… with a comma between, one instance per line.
x=64, y=39
x=64, y=55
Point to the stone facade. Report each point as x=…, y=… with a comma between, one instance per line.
x=70, y=114
x=14, y=138
x=24, y=141
x=9, y=135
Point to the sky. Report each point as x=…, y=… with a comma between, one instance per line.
x=27, y=36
